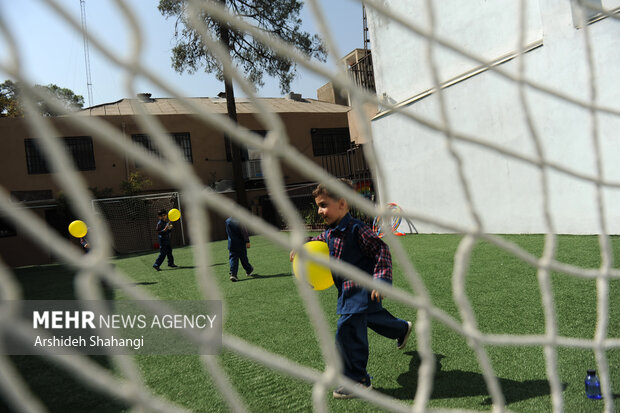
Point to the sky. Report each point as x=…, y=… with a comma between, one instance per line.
x=51, y=52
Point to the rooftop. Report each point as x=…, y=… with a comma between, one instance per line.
x=173, y=106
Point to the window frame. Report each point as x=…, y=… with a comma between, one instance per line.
x=183, y=141
x=325, y=141
x=80, y=149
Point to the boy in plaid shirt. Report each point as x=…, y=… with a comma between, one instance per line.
x=353, y=241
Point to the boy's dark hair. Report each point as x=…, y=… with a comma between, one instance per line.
x=161, y=212
x=322, y=189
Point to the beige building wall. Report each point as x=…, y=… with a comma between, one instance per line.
x=111, y=167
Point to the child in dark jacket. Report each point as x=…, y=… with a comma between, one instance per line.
x=163, y=234
x=238, y=243
x=353, y=241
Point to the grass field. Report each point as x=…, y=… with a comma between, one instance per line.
x=267, y=311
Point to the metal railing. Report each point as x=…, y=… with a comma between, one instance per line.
x=350, y=164
x=363, y=73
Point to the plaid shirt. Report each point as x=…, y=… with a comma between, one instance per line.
x=370, y=245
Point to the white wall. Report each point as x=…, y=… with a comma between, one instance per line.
x=488, y=29
x=506, y=192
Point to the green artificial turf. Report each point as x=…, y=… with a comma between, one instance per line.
x=267, y=311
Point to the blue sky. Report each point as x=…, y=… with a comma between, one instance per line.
x=52, y=52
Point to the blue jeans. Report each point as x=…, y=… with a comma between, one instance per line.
x=165, y=250
x=352, y=338
x=233, y=259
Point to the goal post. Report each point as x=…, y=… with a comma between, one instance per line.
x=132, y=220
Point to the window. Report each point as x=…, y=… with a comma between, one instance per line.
x=182, y=140
x=80, y=148
x=245, y=153
x=330, y=141
x=34, y=158
x=185, y=144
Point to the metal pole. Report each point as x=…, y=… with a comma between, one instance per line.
x=182, y=232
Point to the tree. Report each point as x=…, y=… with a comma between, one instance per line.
x=279, y=17
x=10, y=105
x=135, y=184
x=70, y=100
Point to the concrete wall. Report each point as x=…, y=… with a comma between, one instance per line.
x=327, y=93
x=506, y=192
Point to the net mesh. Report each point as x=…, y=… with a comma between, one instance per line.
x=130, y=220
x=276, y=151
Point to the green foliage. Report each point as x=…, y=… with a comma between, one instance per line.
x=356, y=213
x=311, y=217
x=135, y=184
x=67, y=97
x=278, y=17
x=10, y=104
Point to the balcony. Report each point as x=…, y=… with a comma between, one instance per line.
x=362, y=71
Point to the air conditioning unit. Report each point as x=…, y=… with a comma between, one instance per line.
x=252, y=169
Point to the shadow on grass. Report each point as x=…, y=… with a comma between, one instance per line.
x=458, y=383
x=261, y=277
x=153, y=252
x=178, y=267
x=145, y=283
x=57, y=389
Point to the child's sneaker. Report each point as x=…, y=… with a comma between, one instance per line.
x=402, y=342
x=233, y=278
x=342, y=393
x=249, y=273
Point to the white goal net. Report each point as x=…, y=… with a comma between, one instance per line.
x=440, y=50
x=131, y=220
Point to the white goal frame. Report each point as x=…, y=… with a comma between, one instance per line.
x=148, y=220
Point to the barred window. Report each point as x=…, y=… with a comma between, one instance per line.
x=35, y=161
x=80, y=148
x=330, y=141
x=182, y=139
x=185, y=144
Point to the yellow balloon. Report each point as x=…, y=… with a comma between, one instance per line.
x=174, y=214
x=78, y=228
x=318, y=275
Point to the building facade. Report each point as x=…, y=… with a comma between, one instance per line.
x=315, y=128
x=505, y=136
